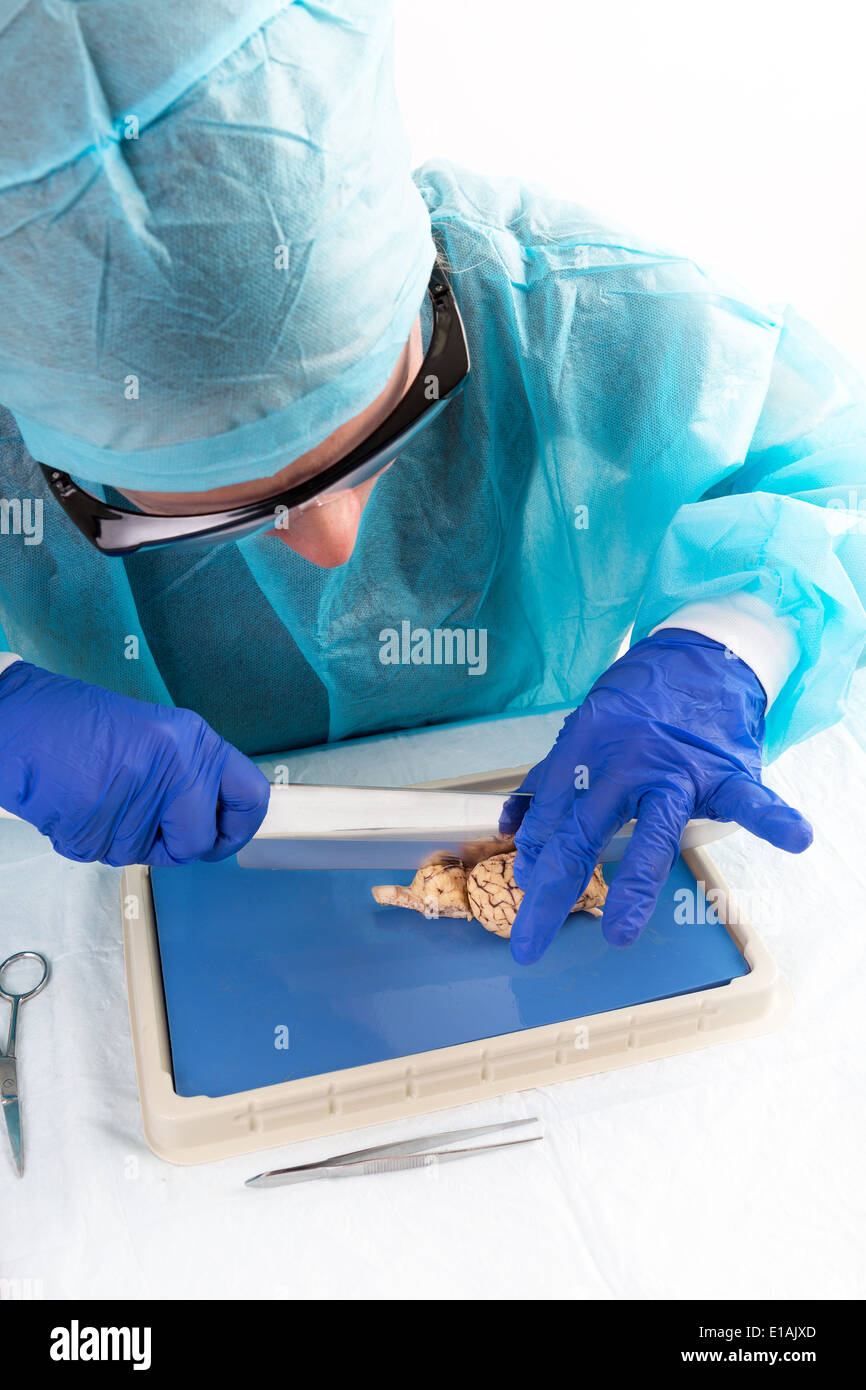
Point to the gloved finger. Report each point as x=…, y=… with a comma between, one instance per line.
x=761, y=811
x=187, y=826
x=562, y=871
x=598, y=806
x=643, y=872
x=243, y=802
x=515, y=808
x=133, y=834
x=160, y=855
x=564, y=775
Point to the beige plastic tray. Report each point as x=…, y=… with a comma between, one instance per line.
x=199, y=1129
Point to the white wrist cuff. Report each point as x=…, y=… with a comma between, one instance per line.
x=749, y=628
x=6, y=659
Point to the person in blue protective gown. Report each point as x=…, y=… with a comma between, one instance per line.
x=213, y=274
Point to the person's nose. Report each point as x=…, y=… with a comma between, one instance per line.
x=324, y=532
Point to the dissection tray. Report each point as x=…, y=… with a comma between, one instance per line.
x=274, y=976
x=274, y=1006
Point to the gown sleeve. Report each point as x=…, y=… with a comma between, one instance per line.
x=788, y=527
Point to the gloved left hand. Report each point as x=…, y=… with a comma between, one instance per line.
x=672, y=730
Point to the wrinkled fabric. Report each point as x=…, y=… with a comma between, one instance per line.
x=211, y=247
x=671, y=732
x=635, y=434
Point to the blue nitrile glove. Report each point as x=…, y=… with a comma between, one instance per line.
x=670, y=731
x=115, y=779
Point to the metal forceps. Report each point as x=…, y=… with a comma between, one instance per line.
x=392, y=1158
x=8, y=1065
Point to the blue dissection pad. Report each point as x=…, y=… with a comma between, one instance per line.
x=271, y=975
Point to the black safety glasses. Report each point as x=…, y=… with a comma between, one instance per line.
x=118, y=531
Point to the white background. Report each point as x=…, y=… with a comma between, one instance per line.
x=736, y=132
x=735, y=1172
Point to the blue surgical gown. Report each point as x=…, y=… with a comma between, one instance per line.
x=636, y=433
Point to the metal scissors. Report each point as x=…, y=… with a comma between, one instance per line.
x=392, y=1158
x=8, y=1065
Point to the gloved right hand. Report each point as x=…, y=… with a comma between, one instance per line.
x=115, y=779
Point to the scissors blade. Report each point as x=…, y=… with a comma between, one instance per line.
x=11, y=1109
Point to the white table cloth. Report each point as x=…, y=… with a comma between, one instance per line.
x=736, y=1171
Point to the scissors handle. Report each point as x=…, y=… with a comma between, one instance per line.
x=17, y=998
x=23, y=994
